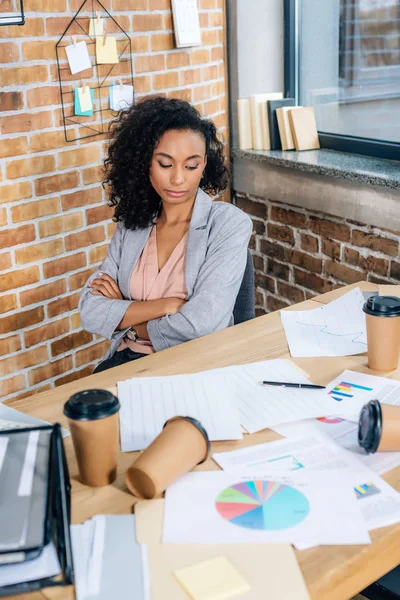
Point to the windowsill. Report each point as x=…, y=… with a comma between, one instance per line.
x=341, y=165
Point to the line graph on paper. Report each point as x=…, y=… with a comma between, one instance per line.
x=334, y=329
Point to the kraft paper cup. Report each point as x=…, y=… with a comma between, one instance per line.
x=182, y=444
x=390, y=436
x=379, y=427
x=94, y=426
x=383, y=335
x=383, y=332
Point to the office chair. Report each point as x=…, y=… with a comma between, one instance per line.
x=244, y=308
x=386, y=588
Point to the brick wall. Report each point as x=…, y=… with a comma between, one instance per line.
x=299, y=253
x=54, y=221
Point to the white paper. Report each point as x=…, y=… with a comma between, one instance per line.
x=78, y=57
x=318, y=506
x=28, y=468
x=122, y=97
x=148, y=402
x=3, y=449
x=344, y=433
x=186, y=22
x=107, y=559
x=80, y=552
x=6, y=425
x=14, y=419
x=380, y=504
x=261, y=406
x=363, y=388
x=46, y=565
x=88, y=551
x=284, y=455
x=334, y=329
x=96, y=555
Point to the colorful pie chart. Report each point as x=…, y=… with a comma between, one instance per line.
x=330, y=420
x=263, y=505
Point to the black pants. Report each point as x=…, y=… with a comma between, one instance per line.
x=119, y=358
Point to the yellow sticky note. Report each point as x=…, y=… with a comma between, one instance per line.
x=96, y=26
x=85, y=99
x=215, y=579
x=106, y=53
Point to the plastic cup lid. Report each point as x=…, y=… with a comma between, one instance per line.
x=90, y=405
x=382, y=306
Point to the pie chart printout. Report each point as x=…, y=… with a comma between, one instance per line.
x=330, y=420
x=262, y=505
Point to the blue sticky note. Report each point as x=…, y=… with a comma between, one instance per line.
x=77, y=106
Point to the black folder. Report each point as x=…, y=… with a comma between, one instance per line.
x=35, y=503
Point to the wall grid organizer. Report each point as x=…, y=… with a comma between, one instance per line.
x=99, y=78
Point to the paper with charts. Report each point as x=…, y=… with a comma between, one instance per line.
x=381, y=503
x=245, y=506
x=261, y=406
x=148, y=402
x=357, y=388
x=334, y=329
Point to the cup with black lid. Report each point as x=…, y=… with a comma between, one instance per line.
x=379, y=427
x=383, y=332
x=94, y=426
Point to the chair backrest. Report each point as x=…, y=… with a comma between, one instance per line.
x=244, y=308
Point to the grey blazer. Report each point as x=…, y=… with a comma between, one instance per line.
x=216, y=255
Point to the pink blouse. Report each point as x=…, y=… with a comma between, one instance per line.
x=148, y=283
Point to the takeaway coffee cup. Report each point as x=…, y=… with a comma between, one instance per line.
x=379, y=427
x=93, y=422
x=383, y=332
x=182, y=444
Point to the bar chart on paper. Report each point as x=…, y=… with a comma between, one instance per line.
x=346, y=389
x=366, y=489
x=336, y=329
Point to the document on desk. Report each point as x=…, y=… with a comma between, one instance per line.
x=260, y=505
x=345, y=434
x=271, y=567
x=334, y=329
x=108, y=562
x=15, y=419
x=148, y=402
x=261, y=406
x=45, y=565
x=381, y=503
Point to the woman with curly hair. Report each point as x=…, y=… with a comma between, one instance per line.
x=176, y=260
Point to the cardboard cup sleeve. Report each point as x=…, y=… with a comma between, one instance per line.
x=182, y=444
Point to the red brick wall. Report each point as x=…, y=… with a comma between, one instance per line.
x=54, y=221
x=300, y=253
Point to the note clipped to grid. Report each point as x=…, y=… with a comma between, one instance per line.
x=334, y=329
x=148, y=402
x=78, y=57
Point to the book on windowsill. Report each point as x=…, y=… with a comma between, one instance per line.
x=304, y=128
x=272, y=107
x=244, y=123
x=259, y=119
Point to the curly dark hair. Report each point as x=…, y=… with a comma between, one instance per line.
x=135, y=134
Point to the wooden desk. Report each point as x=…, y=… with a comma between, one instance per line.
x=331, y=573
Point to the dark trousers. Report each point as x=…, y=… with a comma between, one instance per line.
x=119, y=358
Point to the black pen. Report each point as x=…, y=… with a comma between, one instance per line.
x=308, y=386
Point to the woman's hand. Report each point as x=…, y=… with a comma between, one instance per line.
x=105, y=286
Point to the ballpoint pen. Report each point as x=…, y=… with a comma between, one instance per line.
x=308, y=386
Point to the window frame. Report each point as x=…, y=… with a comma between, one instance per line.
x=332, y=141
